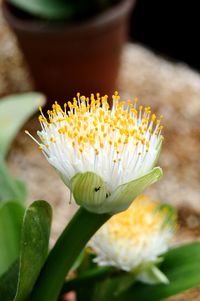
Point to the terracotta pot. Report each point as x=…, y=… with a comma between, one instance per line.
x=65, y=59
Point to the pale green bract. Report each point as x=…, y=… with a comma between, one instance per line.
x=90, y=191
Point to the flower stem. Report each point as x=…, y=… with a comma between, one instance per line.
x=67, y=248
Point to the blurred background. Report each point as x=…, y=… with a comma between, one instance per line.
x=168, y=27
x=146, y=49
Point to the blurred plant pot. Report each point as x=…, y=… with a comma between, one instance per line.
x=65, y=59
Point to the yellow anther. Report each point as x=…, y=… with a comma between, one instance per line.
x=40, y=118
x=126, y=140
x=96, y=151
x=153, y=117
x=91, y=123
x=82, y=98
x=69, y=104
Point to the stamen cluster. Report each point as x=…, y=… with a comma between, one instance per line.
x=119, y=143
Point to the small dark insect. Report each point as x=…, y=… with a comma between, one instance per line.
x=97, y=188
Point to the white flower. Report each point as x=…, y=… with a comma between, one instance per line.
x=117, y=145
x=135, y=237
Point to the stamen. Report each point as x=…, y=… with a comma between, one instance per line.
x=101, y=135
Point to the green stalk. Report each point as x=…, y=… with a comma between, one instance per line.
x=67, y=248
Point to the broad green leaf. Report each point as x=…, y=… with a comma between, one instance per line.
x=10, y=189
x=34, y=246
x=181, y=266
x=48, y=9
x=15, y=110
x=11, y=217
x=89, y=190
x=124, y=195
x=8, y=283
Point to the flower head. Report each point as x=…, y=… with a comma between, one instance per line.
x=118, y=145
x=135, y=237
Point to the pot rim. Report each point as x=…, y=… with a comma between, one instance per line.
x=109, y=16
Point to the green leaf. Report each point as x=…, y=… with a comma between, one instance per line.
x=10, y=189
x=19, y=279
x=89, y=190
x=124, y=195
x=11, y=217
x=34, y=246
x=15, y=110
x=8, y=283
x=181, y=266
x=48, y=9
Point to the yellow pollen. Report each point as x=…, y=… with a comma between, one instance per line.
x=144, y=215
x=153, y=117
x=92, y=123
